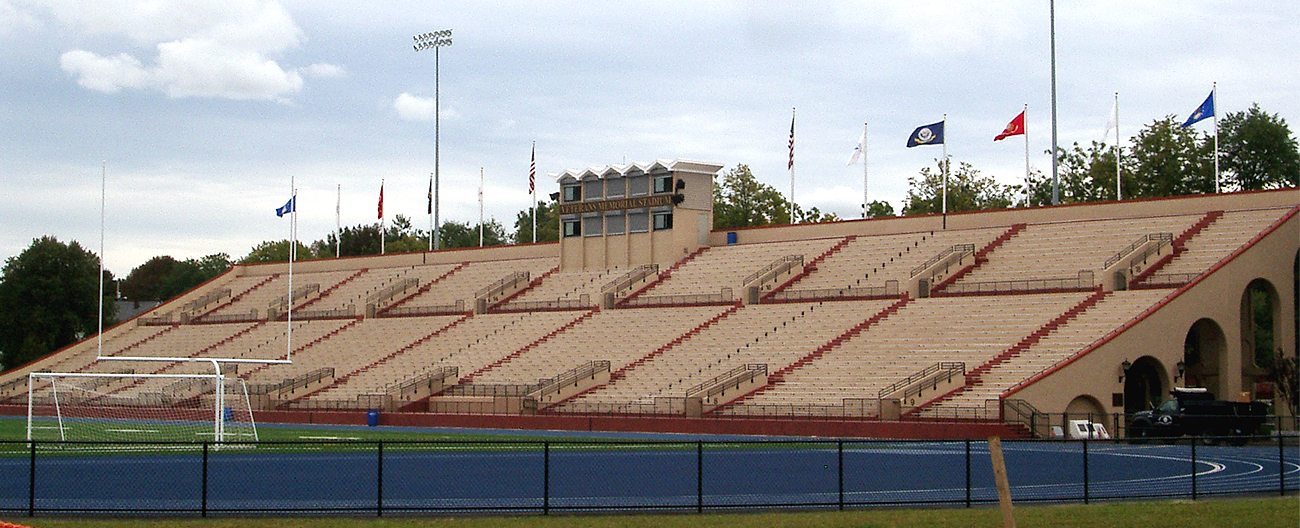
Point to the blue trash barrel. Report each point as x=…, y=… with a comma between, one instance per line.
x=731, y=238
x=372, y=417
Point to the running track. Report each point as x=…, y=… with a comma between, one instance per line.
x=448, y=477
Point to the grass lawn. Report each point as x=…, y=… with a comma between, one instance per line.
x=1244, y=513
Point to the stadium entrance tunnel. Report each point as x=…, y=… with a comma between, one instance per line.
x=1144, y=385
x=1204, y=350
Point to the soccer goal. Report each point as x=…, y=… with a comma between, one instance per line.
x=117, y=407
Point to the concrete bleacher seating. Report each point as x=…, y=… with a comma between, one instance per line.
x=922, y=333
x=727, y=266
x=1074, y=247
x=818, y=354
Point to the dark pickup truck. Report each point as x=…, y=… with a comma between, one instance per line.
x=1195, y=412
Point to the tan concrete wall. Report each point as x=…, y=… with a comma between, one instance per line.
x=1161, y=335
x=1007, y=217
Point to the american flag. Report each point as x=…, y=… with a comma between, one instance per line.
x=532, y=172
x=790, y=164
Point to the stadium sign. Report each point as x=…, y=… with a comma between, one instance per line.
x=615, y=205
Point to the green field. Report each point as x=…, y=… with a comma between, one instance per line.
x=1243, y=513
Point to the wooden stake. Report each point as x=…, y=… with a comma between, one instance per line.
x=1004, y=487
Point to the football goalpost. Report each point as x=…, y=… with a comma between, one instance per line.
x=108, y=407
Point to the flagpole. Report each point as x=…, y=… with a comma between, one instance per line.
x=865, y=203
x=103, y=192
x=1119, y=195
x=1056, y=180
x=338, y=222
x=792, y=218
x=293, y=243
x=945, y=171
x=1214, y=106
x=480, y=207
x=1026, y=134
x=532, y=186
x=430, y=211
x=381, y=216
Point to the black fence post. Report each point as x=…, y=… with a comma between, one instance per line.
x=204, y=501
x=1194, y=469
x=31, y=481
x=1086, y=496
x=840, y=445
x=1281, y=464
x=546, y=478
x=699, y=476
x=379, y=480
x=967, y=472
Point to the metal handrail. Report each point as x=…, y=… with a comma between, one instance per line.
x=889, y=289
x=775, y=267
x=1162, y=238
x=957, y=249
x=742, y=372
x=723, y=296
x=501, y=284
x=569, y=377
x=392, y=290
x=632, y=277
x=921, y=374
x=1084, y=280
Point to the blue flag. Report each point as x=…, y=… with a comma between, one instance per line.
x=1205, y=110
x=290, y=206
x=931, y=134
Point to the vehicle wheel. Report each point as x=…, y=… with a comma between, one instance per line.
x=1139, y=432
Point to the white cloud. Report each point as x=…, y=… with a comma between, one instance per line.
x=414, y=108
x=105, y=74
x=220, y=49
x=323, y=71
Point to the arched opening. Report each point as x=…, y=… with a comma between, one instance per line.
x=1085, y=407
x=1144, y=385
x=1203, y=350
x=1260, y=318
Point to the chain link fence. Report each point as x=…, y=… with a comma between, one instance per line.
x=406, y=477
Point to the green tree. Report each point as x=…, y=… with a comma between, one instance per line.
x=1168, y=160
x=145, y=282
x=276, y=251
x=1087, y=175
x=463, y=234
x=192, y=272
x=47, y=300
x=548, y=224
x=879, y=209
x=740, y=200
x=356, y=240
x=967, y=191
x=1257, y=151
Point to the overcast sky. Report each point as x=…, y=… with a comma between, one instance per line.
x=203, y=109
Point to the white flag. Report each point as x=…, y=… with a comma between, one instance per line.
x=857, y=150
x=1111, y=124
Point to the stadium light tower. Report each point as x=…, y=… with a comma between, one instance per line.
x=424, y=41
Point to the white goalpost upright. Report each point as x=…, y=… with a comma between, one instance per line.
x=84, y=406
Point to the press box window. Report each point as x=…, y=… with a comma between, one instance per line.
x=572, y=193
x=663, y=221
x=614, y=224
x=663, y=183
x=638, y=221
x=591, y=226
x=572, y=228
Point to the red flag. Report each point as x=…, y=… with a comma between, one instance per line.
x=381, y=201
x=1015, y=128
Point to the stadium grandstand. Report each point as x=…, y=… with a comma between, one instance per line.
x=643, y=318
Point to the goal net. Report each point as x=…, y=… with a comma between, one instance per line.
x=138, y=408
